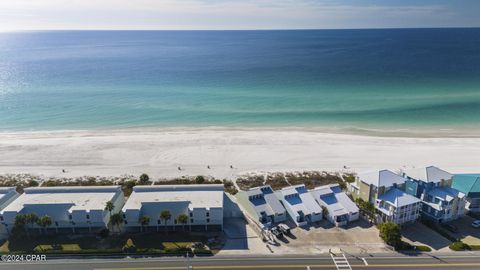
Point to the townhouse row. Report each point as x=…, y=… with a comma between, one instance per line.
x=79, y=209
x=301, y=205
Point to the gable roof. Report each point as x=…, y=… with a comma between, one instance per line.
x=398, y=198
x=334, y=199
x=429, y=174
x=298, y=199
x=267, y=202
x=466, y=183
x=383, y=178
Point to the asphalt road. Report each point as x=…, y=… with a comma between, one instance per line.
x=392, y=262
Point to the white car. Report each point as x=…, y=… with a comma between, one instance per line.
x=476, y=223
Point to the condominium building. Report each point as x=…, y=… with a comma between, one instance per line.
x=201, y=204
x=7, y=195
x=69, y=208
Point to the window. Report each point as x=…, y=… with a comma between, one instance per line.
x=1, y=218
x=70, y=217
x=175, y=222
x=88, y=216
x=208, y=220
x=56, y=223
x=158, y=221
x=126, y=222
x=191, y=214
x=191, y=220
x=208, y=214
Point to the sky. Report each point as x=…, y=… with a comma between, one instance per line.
x=236, y=14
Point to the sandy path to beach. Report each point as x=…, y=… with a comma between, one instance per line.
x=160, y=153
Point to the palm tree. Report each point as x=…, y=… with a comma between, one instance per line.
x=182, y=219
x=144, y=221
x=165, y=215
x=44, y=222
x=109, y=207
x=116, y=220
x=30, y=219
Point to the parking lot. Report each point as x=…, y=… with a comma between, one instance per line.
x=359, y=237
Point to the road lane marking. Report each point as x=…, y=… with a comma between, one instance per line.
x=301, y=266
x=364, y=261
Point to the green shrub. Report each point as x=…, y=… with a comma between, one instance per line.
x=390, y=233
x=459, y=246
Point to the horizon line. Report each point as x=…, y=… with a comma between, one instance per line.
x=246, y=29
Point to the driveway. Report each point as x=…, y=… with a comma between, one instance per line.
x=419, y=234
x=466, y=232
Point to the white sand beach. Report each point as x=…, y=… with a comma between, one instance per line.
x=160, y=153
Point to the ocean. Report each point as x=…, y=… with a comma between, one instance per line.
x=352, y=80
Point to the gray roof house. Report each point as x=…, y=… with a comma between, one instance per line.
x=300, y=204
x=340, y=208
x=262, y=204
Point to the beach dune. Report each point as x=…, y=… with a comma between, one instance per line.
x=160, y=153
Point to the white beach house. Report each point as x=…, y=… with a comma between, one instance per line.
x=7, y=195
x=398, y=207
x=300, y=204
x=202, y=204
x=385, y=190
x=340, y=208
x=70, y=208
x=262, y=204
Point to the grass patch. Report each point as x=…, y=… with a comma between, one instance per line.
x=174, y=242
x=459, y=246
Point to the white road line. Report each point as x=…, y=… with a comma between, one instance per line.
x=308, y=267
x=364, y=261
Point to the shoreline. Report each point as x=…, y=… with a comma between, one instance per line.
x=160, y=153
x=354, y=131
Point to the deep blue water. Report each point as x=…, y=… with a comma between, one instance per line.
x=381, y=79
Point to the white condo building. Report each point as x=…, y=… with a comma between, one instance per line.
x=70, y=208
x=202, y=204
x=7, y=195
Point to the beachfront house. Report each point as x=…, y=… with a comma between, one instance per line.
x=370, y=185
x=432, y=185
x=470, y=185
x=175, y=207
x=338, y=207
x=300, y=204
x=398, y=207
x=262, y=205
x=7, y=195
x=385, y=190
x=70, y=209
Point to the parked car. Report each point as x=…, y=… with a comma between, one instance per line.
x=451, y=228
x=476, y=223
x=284, y=228
x=276, y=232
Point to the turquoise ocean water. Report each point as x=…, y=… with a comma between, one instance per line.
x=342, y=79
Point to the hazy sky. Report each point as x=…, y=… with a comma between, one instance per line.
x=235, y=14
